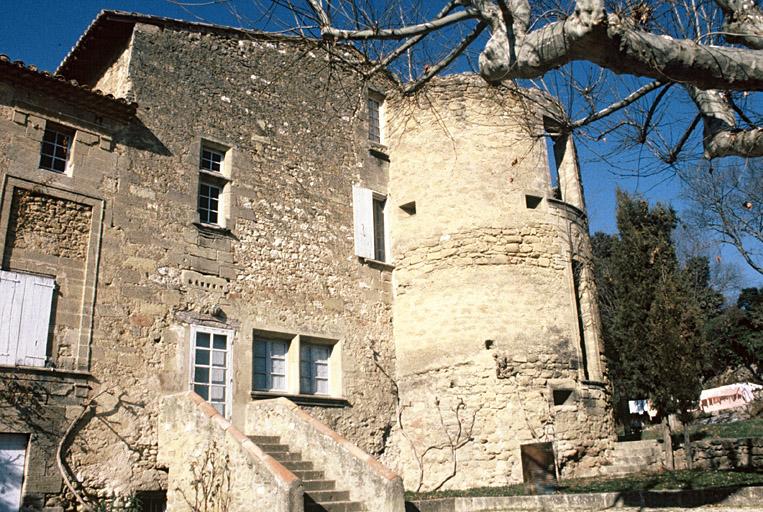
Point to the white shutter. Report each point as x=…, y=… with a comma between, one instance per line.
x=25, y=304
x=12, y=455
x=362, y=204
x=35, y=321
x=11, y=303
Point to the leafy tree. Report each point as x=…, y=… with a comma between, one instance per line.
x=736, y=336
x=653, y=312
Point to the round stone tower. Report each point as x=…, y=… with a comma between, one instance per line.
x=495, y=323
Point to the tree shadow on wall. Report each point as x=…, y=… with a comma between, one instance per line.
x=28, y=404
x=72, y=436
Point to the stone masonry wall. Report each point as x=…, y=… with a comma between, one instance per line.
x=485, y=323
x=48, y=225
x=724, y=454
x=284, y=262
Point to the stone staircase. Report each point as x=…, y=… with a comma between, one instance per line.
x=321, y=495
x=634, y=457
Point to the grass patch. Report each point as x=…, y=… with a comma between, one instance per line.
x=684, y=479
x=737, y=429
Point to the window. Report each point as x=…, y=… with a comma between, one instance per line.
x=56, y=147
x=296, y=365
x=371, y=236
x=314, y=369
x=151, y=501
x=212, y=160
x=375, y=117
x=25, y=307
x=270, y=365
x=379, y=251
x=210, y=366
x=209, y=201
x=213, y=182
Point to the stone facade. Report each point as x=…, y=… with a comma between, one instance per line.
x=486, y=328
x=457, y=345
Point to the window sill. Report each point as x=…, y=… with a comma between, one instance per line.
x=309, y=400
x=42, y=370
x=215, y=175
x=381, y=265
x=379, y=151
x=594, y=384
x=213, y=228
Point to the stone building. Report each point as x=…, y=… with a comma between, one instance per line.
x=189, y=207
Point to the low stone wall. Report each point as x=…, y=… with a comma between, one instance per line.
x=366, y=478
x=730, y=497
x=744, y=453
x=213, y=466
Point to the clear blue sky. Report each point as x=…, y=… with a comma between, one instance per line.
x=41, y=32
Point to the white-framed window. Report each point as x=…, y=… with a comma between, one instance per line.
x=214, y=179
x=25, y=308
x=270, y=364
x=371, y=229
x=56, y=147
x=211, y=369
x=293, y=364
x=210, y=198
x=375, y=117
x=212, y=159
x=314, y=369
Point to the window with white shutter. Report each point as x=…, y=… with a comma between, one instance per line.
x=314, y=369
x=25, y=307
x=369, y=222
x=270, y=364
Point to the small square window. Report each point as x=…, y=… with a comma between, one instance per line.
x=56, y=147
x=211, y=160
x=314, y=368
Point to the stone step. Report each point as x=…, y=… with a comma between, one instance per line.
x=302, y=465
x=307, y=474
x=318, y=485
x=634, y=461
x=268, y=448
x=260, y=440
x=625, y=469
x=641, y=452
x=286, y=456
x=337, y=506
x=329, y=496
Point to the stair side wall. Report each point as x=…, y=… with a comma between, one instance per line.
x=368, y=481
x=212, y=466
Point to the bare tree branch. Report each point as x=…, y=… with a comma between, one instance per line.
x=635, y=95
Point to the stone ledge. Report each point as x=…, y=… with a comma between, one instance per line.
x=305, y=400
x=736, y=497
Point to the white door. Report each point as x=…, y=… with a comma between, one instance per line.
x=12, y=454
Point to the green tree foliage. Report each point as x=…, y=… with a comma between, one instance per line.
x=736, y=335
x=653, y=312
